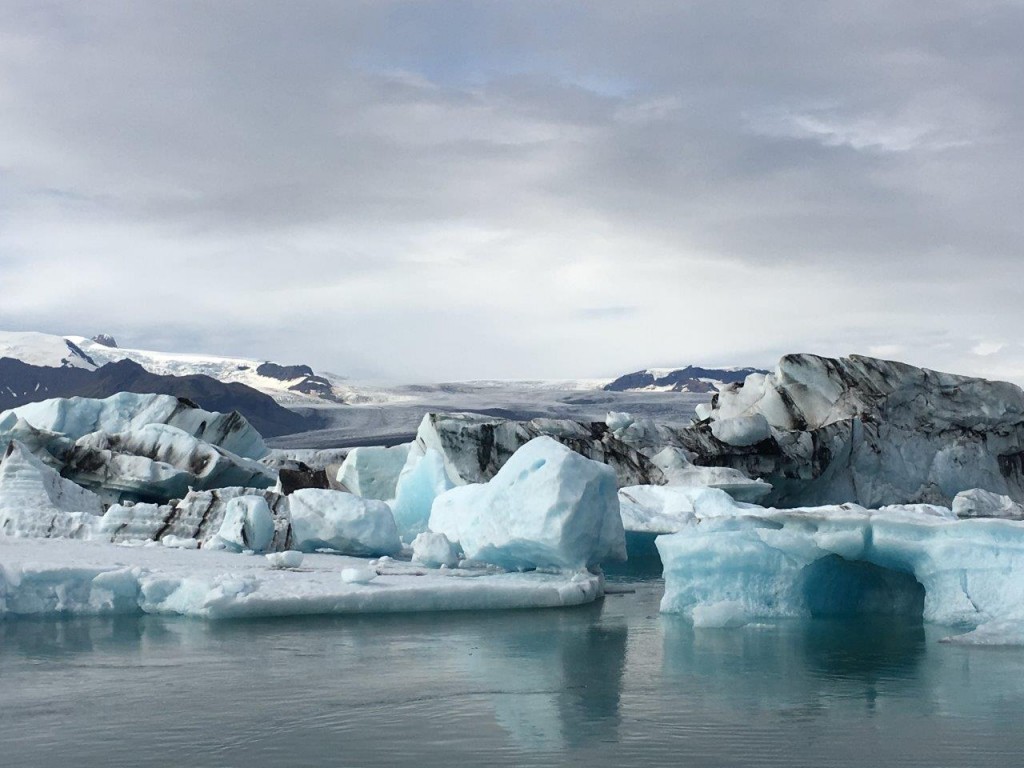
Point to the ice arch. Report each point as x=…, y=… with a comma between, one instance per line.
x=756, y=562
x=835, y=586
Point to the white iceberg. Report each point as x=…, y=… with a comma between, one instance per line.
x=343, y=522
x=435, y=550
x=373, y=472
x=980, y=503
x=547, y=507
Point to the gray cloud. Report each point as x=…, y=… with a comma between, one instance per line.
x=459, y=189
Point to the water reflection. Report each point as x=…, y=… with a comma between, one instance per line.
x=608, y=684
x=548, y=680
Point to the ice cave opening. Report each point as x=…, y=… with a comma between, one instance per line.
x=836, y=587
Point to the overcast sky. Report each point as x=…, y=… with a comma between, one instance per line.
x=516, y=190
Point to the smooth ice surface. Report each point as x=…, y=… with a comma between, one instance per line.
x=344, y=522
x=847, y=559
x=547, y=507
x=422, y=480
x=373, y=472
x=741, y=430
x=71, y=578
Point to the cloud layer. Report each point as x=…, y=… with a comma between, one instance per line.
x=451, y=190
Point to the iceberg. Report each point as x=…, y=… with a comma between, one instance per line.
x=199, y=516
x=147, y=448
x=980, y=503
x=547, y=507
x=248, y=525
x=373, y=472
x=434, y=550
x=422, y=480
x=343, y=522
x=36, y=501
x=475, y=447
x=158, y=462
x=843, y=560
x=76, y=417
x=872, y=432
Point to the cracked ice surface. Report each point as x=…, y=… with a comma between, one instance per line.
x=69, y=577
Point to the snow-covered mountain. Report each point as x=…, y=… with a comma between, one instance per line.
x=288, y=384
x=689, y=379
x=44, y=349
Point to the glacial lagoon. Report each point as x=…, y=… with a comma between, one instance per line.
x=607, y=684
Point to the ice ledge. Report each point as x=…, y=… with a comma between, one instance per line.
x=65, y=577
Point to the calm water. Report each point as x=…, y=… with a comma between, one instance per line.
x=607, y=685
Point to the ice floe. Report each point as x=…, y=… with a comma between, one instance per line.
x=66, y=577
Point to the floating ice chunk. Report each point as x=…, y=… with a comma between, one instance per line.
x=423, y=479
x=617, y=420
x=655, y=509
x=434, y=550
x=36, y=501
x=288, y=559
x=177, y=542
x=994, y=633
x=247, y=525
x=981, y=503
x=323, y=519
x=723, y=614
x=675, y=464
x=547, y=507
x=358, y=575
x=373, y=472
x=742, y=430
x=848, y=560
